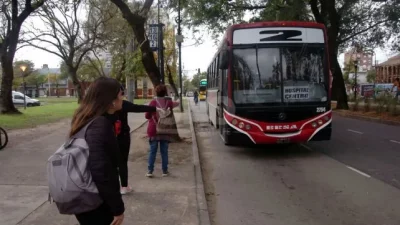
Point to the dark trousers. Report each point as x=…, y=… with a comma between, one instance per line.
x=99, y=216
x=124, y=142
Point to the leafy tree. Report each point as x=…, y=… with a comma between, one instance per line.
x=69, y=35
x=187, y=85
x=29, y=68
x=360, y=23
x=20, y=75
x=137, y=20
x=285, y=10
x=13, y=15
x=89, y=70
x=197, y=78
x=371, y=76
x=54, y=79
x=17, y=82
x=37, y=80
x=170, y=57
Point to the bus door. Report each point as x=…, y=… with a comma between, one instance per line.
x=220, y=97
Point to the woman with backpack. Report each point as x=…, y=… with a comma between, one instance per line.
x=124, y=138
x=103, y=98
x=155, y=139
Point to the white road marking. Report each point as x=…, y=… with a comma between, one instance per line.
x=397, y=142
x=359, y=172
x=306, y=147
x=354, y=131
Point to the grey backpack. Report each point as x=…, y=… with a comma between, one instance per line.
x=70, y=182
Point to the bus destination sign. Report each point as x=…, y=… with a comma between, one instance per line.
x=296, y=92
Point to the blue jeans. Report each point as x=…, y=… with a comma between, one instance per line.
x=153, y=153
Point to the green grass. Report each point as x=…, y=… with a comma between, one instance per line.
x=52, y=110
x=34, y=116
x=53, y=100
x=141, y=101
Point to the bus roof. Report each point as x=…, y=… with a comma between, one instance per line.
x=276, y=24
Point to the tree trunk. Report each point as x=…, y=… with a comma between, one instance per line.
x=121, y=70
x=338, y=88
x=7, y=59
x=37, y=91
x=148, y=59
x=76, y=82
x=171, y=82
x=136, y=94
x=57, y=93
x=7, y=105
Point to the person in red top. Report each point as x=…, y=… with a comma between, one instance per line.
x=164, y=102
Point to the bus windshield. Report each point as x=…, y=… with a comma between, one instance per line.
x=280, y=74
x=202, y=88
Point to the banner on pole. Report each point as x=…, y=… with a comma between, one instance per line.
x=153, y=36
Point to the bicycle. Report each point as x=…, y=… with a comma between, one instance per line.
x=3, y=138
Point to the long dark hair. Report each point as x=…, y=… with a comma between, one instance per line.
x=98, y=98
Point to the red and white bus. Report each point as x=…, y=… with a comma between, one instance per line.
x=270, y=82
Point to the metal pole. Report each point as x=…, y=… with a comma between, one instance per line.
x=48, y=80
x=161, y=49
x=180, y=55
x=23, y=80
x=355, y=82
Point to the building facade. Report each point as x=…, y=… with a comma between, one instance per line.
x=365, y=59
x=388, y=71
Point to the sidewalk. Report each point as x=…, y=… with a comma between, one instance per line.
x=159, y=200
x=23, y=184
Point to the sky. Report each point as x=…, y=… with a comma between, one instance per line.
x=193, y=57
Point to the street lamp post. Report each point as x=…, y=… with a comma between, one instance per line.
x=23, y=68
x=179, y=40
x=355, y=79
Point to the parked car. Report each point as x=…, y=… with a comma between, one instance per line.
x=18, y=99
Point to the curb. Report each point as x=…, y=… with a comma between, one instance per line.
x=202, y=209
x=369, y=119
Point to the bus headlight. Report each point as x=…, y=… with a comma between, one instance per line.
x=314, y=124
x=320, y=122
x=248, y=126
x=241, y=125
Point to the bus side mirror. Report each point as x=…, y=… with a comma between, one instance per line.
x=223, y=62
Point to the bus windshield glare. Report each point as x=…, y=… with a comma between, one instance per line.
x=280, y=74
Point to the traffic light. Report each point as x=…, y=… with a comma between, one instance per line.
x=198, y=70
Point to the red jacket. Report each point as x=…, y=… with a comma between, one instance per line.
x=152, y=116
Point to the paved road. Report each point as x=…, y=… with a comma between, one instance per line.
x=369, y=147
x=296, y=186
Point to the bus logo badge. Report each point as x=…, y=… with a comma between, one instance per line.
x=282, y=116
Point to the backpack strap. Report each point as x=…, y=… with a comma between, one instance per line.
x=81, y=134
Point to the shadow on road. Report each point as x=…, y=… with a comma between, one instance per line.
x=286, y=151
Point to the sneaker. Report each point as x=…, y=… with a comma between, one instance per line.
x=126, y=190
x=165, y=174
x=149, y=174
